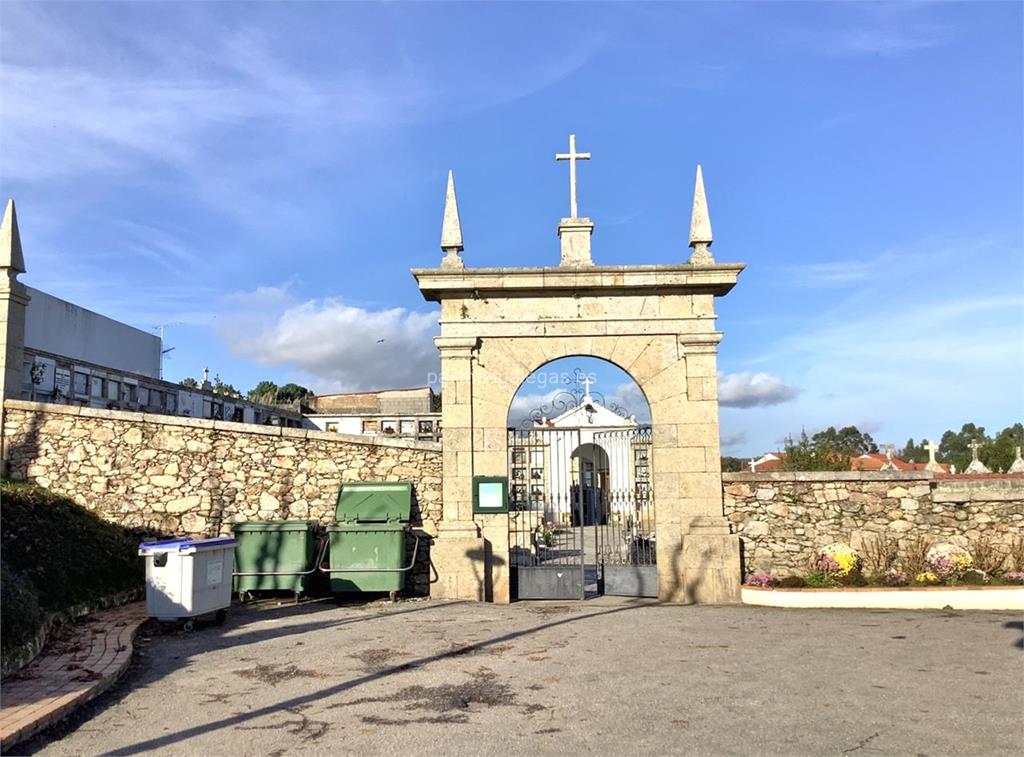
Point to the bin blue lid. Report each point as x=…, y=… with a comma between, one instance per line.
x=180, y=545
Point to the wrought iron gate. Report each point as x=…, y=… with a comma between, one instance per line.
x=581, y=512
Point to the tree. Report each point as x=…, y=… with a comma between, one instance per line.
x=264, y=392
x=191, y=383
x=733, y=464
x=849, y=441
x=219, y=387
x=953, y=447
x=812, y=453
x=913, y=452
x=999, y=455
x=291, y=392
x=830, y=449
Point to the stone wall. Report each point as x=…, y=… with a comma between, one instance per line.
x=784, y=517
x=197, y=477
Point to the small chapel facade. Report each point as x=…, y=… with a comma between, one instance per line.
x=586, y=453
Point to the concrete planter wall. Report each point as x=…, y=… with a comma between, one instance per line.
x=917, y=598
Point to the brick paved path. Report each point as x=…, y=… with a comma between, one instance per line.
x=78, y=663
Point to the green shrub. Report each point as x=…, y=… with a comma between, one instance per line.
x=819, y=579
x=21, y=615
x=974, y=578
x=60, y=554
x=853, y=578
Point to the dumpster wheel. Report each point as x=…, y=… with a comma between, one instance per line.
x=393, y=596
x=189, y=625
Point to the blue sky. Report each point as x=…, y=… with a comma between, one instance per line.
x=262, y=177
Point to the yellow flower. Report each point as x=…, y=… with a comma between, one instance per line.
x=926, y=578
x=844, y=556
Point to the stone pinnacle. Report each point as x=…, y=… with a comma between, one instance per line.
x=700, y=223
x=451, y=229
x=10, y=241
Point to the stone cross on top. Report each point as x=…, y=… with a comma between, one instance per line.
x=572, y=156
x=574, y=232
x=974, y=447
x=586, y=381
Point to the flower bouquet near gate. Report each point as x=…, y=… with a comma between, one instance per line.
x=927, y=578
x=546, y=533
x=948, y=561
x=761, y=580
x=892, y=577
x=837, y=560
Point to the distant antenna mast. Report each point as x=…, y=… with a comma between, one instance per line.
x=160, y=328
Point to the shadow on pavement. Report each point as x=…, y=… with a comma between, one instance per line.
x=175, y=738
x=212, y=637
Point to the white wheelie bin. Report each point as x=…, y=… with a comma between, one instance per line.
x=186, y=578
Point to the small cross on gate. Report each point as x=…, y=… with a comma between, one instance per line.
x=586, y=381
x=572, y=156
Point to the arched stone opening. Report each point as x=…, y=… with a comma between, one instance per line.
x=657, y=323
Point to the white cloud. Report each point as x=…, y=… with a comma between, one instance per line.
x=747, y=389
x=878, y=30
x=114, y=95
x=339, y=346
x=733, y=440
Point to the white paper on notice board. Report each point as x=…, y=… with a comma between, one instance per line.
x=490, y=496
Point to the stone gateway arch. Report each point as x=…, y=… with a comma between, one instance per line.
x=656, y=322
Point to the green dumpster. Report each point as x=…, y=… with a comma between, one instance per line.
x=274, y=555
x=368, y=540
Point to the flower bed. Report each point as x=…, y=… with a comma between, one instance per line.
x=925, y=576
x=894, y=598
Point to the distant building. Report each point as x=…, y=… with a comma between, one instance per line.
x=876, y=460
x=56, y=351
x=409, y=413
x=767, y=462
x=871, y=461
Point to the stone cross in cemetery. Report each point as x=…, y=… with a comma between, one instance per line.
x=976, y=465
x=932, y=465
x=1018, y=462
x=753, y=465
x=889, y=465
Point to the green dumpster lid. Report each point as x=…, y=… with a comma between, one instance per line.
x=365, y=528
x=273, y=525
x=374, y=501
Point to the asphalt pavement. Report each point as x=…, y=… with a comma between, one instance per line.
x=605, y=676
